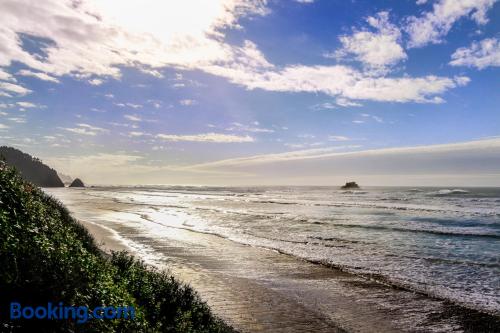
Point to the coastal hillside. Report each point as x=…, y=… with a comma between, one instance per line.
x=30, y=168
x=47, y=256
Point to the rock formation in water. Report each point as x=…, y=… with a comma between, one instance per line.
x=30, y=168
x=77, y=183
x=350, y=185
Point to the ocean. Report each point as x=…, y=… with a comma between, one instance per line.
x=439, y=242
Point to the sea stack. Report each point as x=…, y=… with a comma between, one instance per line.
x=77, y=183
x=350, y=185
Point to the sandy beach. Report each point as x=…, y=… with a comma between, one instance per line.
x=261, y=290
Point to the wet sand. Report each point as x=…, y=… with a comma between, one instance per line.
x=261, y=290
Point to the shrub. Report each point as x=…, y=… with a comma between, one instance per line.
x=47, y=256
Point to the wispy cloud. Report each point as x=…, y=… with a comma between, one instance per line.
x=187, y=102
x=135, y=134
x=132, y=117
x=206, y=137
x=27, y=105
x=349, y=83
x=6, y=76
x=480, y=54
x=7, y=87
x=130, y=105
x=338, y=138
x=85, y=129
x=462, y=163
x=18, y=120
x=95, y=82
x=248, y=128
x=432, y=26
x=39, y=75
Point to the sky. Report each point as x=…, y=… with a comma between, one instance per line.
x=255, y=92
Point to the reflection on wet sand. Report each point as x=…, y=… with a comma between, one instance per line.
x=261, y=290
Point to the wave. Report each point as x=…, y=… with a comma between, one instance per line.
x=427, y=231
x=447, y=192
x=353, y=192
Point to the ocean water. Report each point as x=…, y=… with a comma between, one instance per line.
x=442, y=242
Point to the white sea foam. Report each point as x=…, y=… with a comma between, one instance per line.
x=443, y=242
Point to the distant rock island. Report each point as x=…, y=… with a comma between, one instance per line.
x=30, y=168
x=350, y=185
x=77, y=183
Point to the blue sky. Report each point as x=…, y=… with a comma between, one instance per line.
x=254, y=91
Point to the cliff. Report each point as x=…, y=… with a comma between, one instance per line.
x=30, y=168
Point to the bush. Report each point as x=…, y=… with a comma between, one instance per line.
x=47, y=256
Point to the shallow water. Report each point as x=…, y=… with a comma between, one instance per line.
x=440, y=242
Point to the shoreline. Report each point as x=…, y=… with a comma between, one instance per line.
x=471, y=320
x=261, y=290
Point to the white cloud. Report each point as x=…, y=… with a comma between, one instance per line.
x=375, y=50
x=95, y=82
x=433, y=26
x=27, y=105
x=339, y=81
x=2, y=126
x=207, y=137
x=136, y=134
x=130, y=105
x=7, y=87
x=132, y=117
x=187, y=102
x=246, y=128
x=38, y=75
x=338, y=138
x=85, y=129
x=271, y=158
x=18, y=120
x=480, y=54
x=342, y=101
x=324, y=106
x=97, y=110
x=6, y=76
x=94, y=39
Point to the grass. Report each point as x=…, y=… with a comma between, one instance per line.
x=47, y=256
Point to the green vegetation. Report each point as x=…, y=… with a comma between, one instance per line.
x=47, y=256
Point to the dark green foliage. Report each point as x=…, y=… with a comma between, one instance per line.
x=30, y=168
x=46, y=256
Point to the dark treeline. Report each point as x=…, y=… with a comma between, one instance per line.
x=30, y=168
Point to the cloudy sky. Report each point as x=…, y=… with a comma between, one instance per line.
x=254, y=91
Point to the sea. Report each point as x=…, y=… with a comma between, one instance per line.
x=441, y=242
